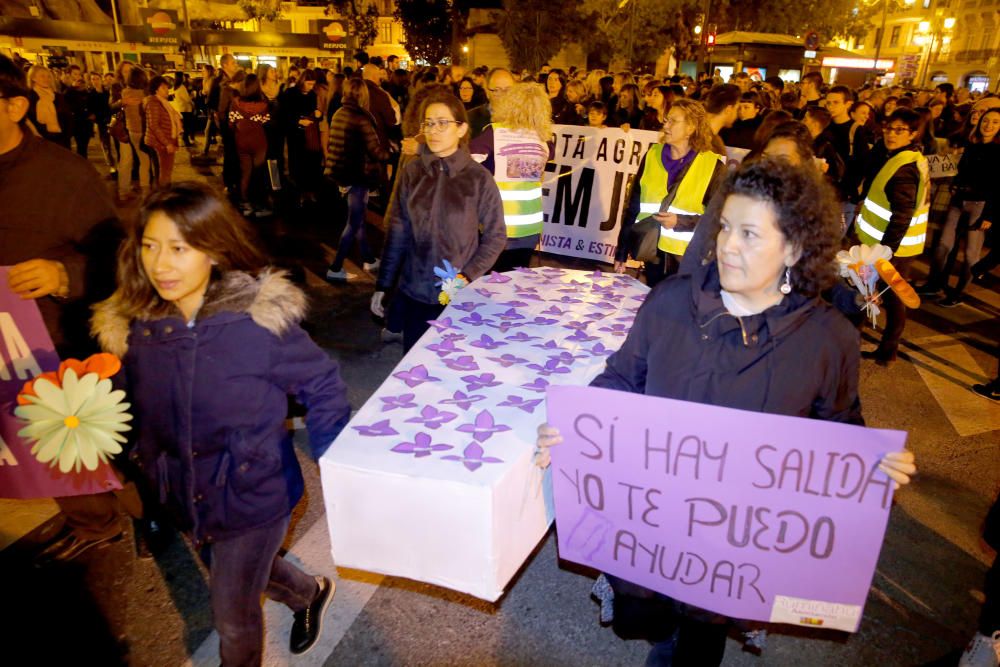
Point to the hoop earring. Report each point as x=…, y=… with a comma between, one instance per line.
x=786, y=287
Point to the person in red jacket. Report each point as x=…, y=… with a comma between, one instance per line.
x=163, y=126
x=248, y=113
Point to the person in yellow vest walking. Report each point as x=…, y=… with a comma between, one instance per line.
x=515, y=149
x=675, y=181
x=893, y=212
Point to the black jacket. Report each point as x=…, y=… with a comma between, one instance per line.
x=354, y=148
x=799, y=358
x=976, y=179
x=446, y=208
x=901, y=191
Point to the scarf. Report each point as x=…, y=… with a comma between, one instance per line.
x=45, y=110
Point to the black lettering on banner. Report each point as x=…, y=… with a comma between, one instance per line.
x=566, y=138
x=577, y=204
x=650, y=505
x=581, y=142
x=767, y=468
x=885, y=483
x=602, y=150
x=665, y=450
x=717, y=506
x=783, y=531
x=751, y=584
x=619, y=153
x=618, y=189
x=687, y=570
x=637, y=151
x=847, y=470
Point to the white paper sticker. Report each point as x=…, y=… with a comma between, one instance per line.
x=816, y=613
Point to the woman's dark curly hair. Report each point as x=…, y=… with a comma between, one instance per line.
x=807, y=210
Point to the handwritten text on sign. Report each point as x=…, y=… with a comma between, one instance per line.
x=754, y=516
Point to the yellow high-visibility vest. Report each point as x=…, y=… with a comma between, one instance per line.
x=873, y=217
x=687, y=201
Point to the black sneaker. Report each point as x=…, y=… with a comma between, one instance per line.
x=879, y=357
x=928, y=289
x=309, y=622
x=950, y=302
x=990, y=391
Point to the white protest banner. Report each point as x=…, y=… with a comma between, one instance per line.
x=585, y=189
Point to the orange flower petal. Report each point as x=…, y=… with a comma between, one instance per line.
x=29, y=387
x=75, y=364
x=104, y=364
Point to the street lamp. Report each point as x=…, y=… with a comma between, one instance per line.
x=881, y=31
x=928, y=32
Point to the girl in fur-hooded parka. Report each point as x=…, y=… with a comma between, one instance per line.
x=211, y=347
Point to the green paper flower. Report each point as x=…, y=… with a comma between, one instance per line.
x=78, y=424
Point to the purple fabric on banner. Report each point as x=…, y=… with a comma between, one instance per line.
x=754, y=516
x=26, y=351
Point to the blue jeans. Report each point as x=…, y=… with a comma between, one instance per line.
x=240, y=570
x=357, y=204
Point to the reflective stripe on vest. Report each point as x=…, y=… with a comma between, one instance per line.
x=874, y=215
x=687, y=199
x=522, y=198
x=522, y=207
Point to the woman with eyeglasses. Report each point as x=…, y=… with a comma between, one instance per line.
x=447, y=208
x=675, y=181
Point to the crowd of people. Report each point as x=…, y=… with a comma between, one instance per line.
x=741, y=260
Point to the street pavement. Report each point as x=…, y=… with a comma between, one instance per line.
x=922, y=607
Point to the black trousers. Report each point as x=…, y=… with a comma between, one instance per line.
x=895, y=311
x=415, y=316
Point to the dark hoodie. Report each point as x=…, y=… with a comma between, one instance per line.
x=799, y=358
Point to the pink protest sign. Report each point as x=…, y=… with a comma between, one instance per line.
x=754, y=516
x=26, y=351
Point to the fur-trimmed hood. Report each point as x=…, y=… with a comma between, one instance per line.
x=270, y=300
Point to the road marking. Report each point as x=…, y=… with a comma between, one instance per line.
x=968, y=413
x=354, y=589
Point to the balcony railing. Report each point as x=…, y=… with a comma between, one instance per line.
x=975, y=55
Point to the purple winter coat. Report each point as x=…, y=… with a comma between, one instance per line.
x=210, y=404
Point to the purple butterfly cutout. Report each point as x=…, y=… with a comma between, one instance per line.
x=551, y=366
x=444, y=348
x=431, y=417
x=420, y=447
x=606, y=305
x=616, y=329
x=462, y=400
x=553, y=271
x=521, y=337
x=600, y=350
x=529, y=296
x=474, y=382
x=521, y=404
x=481, y=291
x=525, y=288
x=484, y=427
x=476, y=320
x=508, y=360
x=453, y=337
x=543, y=321
x=640, y=298
x=596, y=275
x=566, y=357
x=487, y=343
x=463, y=363
x=376, y=429
x=514, y=304
x=510, y=314
x=596, y=316
x=554, y=310
x=472, y=457
x=401, y=401
x=569, y=290
x=498, y=278
x=581, y=336
x=523, y=269
x=504, y=327
x=568, y=299
x=548, y=345
x=415, y=376
x=576, y=325
x=538, y=384
x=443, y=324
x=467, y=306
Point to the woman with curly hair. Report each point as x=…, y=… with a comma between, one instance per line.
x=676, y=179
x=731, y=334
x=515, y=149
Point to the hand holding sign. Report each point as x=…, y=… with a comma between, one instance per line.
x=38, y=278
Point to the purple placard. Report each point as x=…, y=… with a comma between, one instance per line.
x=26, y=351
x=754, y=516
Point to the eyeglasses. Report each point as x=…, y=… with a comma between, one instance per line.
x=896, y=129
x=673, y=121
x=497, y=91
x=439, y=124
